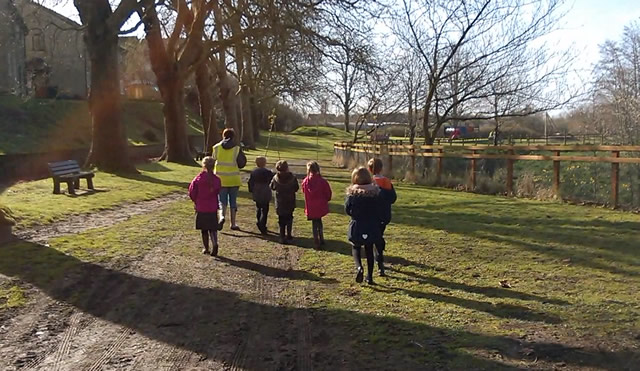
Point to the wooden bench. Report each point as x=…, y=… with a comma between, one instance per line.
x=69, y=172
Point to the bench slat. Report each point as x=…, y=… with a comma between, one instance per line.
x=65, y=168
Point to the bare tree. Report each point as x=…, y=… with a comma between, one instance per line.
x=617, y=82
x=412, y=77
x=474, y=50
x=350, y=61
x=102, y=24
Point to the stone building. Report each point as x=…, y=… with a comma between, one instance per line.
x=12, y=50
x=55, y=51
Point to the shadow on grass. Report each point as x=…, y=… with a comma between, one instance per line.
x=150, y=179
x=155, y=167
x=501, y=310
x=482, y=290
x=602, y=250
x=275, y=272
x=85, y=192
x=212, y=322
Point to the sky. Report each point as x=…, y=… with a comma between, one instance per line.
x=586, y=25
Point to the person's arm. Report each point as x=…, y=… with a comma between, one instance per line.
x=347, y=206
x=273, y=184
x=393, y=195
x=250, y=182
x=297, y=184
x=329, y=192
x=193, y=191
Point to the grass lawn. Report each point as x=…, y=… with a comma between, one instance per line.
x=33, y=203
x=574, y=271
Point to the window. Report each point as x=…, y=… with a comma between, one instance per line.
x=37, y=41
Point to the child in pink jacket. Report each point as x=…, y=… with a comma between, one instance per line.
x=317, y=194
x=203, y=191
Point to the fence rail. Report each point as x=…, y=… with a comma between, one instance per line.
x=610, y=154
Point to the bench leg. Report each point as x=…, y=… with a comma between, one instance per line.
x=56, y=188
x=90, y=183
x=71, y=187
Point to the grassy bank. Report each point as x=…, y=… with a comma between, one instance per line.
x=39, y=125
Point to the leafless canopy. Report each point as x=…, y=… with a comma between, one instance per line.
x=484, y=59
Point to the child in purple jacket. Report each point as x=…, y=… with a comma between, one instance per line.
x=203, y=191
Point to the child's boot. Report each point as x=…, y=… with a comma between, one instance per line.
x=205, y=242
x=289, y=229
x=214, y=239
x=370, y=264
x=357, y=258
x=380, y=260
x=282, y=235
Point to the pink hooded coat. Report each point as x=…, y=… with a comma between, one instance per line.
x=204, y=190
x=317, y=194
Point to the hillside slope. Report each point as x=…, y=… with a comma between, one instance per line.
x=38, y=125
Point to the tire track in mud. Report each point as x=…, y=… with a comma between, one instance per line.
x=36, y=334
x=111, y=350
x=67, y=338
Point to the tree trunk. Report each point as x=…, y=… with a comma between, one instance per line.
x=175, y=125
x=228, y=89
x=171, y=86
x=108, y=138
x=207, y=113
x=346, y=118
x=412, y=123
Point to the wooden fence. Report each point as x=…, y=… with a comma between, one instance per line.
x=503, y=152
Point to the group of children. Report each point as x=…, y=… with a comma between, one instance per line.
x=368, y=203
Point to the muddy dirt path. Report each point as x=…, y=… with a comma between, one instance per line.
x=172, y=309
x=104, y=218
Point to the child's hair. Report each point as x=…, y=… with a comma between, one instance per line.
x=208, y=163
x=361, y=176
x=375, y=166
x=228, y=133
x=313, y=168
x=261, y=161
x=282, y=166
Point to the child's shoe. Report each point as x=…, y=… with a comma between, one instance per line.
x=214, y=250
x=370, y=280
x=359, y=274
x=205, y=250
x=221, y=224
x=381, y=270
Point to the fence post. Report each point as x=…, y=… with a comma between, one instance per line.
x=615, y=178
x=390, y=167
x=439, y=171
x=473, y=171
x=412, y=152
x=510, y=174
x=556, y=176
x=384, y=152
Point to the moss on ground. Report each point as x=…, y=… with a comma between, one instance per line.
x=12, y=297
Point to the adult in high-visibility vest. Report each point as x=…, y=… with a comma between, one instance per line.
x=229, y=160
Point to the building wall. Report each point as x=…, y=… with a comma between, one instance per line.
x=12, y=51
x=58, y=41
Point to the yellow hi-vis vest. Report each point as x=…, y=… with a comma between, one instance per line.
x=226, y=167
